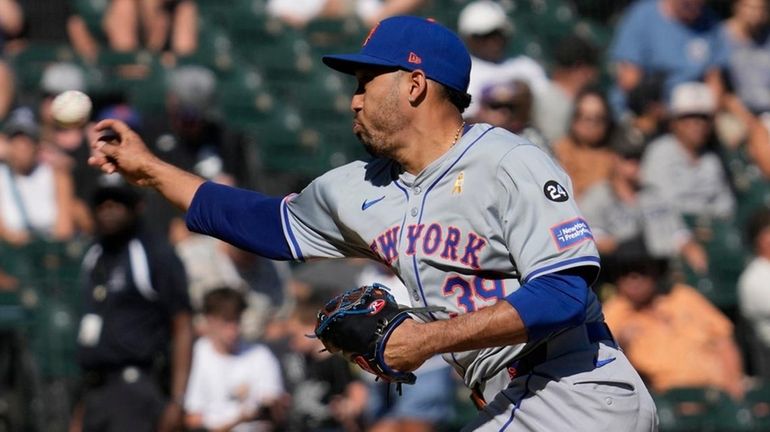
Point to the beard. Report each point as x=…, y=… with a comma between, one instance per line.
x=384, y=123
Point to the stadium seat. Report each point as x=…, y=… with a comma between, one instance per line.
x=757, y=400
x=92, y=12
x=215, y=49
x=30, y=64
x=727, y=258
x=329, y=35
x=682, y=410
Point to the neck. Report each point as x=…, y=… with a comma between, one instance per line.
x=429, y=141
x=740, y=31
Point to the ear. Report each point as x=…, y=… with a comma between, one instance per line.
x=417, y=86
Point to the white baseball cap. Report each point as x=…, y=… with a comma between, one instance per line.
x=483, y=17
x=692, y=98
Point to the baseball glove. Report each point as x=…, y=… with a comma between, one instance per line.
x=359, y=322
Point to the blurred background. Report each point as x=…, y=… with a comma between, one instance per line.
x=657, y=109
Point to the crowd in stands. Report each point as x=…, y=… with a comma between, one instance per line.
x=659, y=111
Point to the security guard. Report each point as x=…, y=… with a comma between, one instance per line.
x=136, y=322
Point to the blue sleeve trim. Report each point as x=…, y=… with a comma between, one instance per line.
x=287, y=231
x=563, y=265
x=551, y=303
x=243, y=218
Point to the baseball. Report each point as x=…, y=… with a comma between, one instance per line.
x=71, y=108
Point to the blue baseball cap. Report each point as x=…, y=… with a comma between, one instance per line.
x=411, y=43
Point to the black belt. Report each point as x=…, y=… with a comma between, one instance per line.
x=596, y=331
x=95, y=378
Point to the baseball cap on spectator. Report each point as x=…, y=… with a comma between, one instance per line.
x=194, y=88
x=628, y=143
x=411, y=43
x=514, y=95
x=483, y=17
x=692, y=98
x=60, y=77
x=113, y=188
x=122, y=112
x=21, y=121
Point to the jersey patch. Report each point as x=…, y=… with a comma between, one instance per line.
x=571, y=233
x=555, y=192
x=457, y=189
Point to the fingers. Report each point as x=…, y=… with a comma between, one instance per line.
x=104, y=164
x=118, y=126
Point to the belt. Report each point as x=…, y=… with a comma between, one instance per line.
x=594, y=332
x=99, y=377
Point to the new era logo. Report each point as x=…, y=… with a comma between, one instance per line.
x=414, y=58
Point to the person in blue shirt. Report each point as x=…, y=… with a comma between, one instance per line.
x=677, y=38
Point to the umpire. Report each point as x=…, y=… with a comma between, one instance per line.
x=134, y=298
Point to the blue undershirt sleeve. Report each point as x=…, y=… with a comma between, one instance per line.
x=243, y=218
x=551, y=302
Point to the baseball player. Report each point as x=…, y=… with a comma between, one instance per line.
x=471, y=218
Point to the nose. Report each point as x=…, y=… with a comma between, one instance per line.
x=357, y=102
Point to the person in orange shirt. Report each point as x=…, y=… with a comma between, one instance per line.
x=671, y=334
x=584, y=152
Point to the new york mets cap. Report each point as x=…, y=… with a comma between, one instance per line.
x=410, y=43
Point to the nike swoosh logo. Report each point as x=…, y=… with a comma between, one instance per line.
x=368, y=204
x=600, y=363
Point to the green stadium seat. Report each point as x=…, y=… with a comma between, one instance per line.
x=92, y=12
x=30, y=63
x=727, y=258
x=757, y=400
x=215, y=49
x=328, y=35
x=682, y=410
x=244, y=97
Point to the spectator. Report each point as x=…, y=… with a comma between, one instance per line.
x=299, y=13
x=677, y=167
x=645, y=119
x=677, y=37
x=53, y=22
x=163, y=25
x=233, y=385
x=188, y=134
x=36, y=199
x=136, y=320
x=326, y=397
x=374, y=11
x=65, y=147
x=754, y=302
x=486, y=30
x=575, y=67
x=665, y=330
x=423, y=407
x=584, y=152
x=622, y=212
x=11, y=20
x=509, y=106
x=747, y=39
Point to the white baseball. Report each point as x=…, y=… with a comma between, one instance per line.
x=71, y=107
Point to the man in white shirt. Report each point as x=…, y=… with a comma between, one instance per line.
x=485, y=29
x=232, y=384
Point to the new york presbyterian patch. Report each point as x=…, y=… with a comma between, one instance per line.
x=571, y=233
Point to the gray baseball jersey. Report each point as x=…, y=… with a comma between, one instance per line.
x=491, y=213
